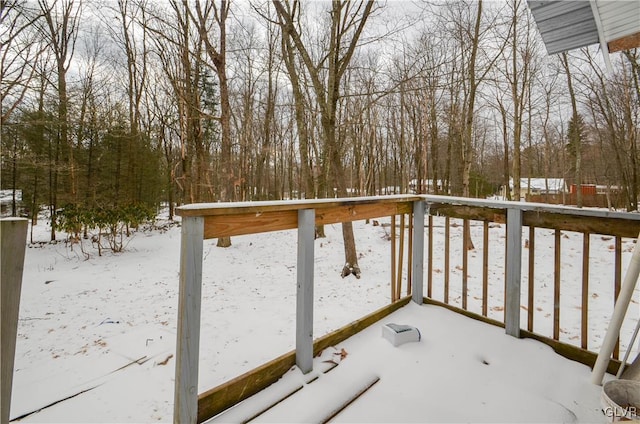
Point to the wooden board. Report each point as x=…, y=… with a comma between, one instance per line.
x=224, y=396
x=249, y=223
x=476, y=213
x=13, y=236
x=235, y=208
x=625, y=43
x=583, y=224
x=258, y=221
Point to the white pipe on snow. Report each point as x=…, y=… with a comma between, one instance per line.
x=629, y=349
x=619, y=311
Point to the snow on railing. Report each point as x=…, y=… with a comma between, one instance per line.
x=205, y=221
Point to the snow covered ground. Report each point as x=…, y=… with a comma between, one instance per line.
x=101, y=331
x=463, y=371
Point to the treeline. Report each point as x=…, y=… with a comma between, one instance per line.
x=136, y=102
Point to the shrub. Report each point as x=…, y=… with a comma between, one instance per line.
x=112, y=223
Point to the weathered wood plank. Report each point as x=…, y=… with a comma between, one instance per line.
x=434, y=202
x=465, y=261
x=335, y=214
x=400, y=258
x=617, y=285
x=485, y=267
x=394, y=260
x=447, y=238
x=584, y=318
x=410, y=253
x=249, y=223
x=625, y=43
x=224, y=396
x=304, y=291
x=235, y=208
x=13, y=242
x=430, y=258
x=277, y=220
x=513, y=277
x=216, y=400
x=188, y=337
x=556, y=284
x=417, y=253
x=475, y=213
x=531, y=279
x=355, y=327
x=583, y=224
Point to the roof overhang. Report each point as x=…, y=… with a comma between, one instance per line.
x=570, y=24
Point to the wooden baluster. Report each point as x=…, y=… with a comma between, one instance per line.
x=188, y=337
x=465, y=261
x=400, y=258
x=556, y=286
x=417, y=255
x=410, y=256
x=393, y=258
x=584, y=325
x=446, y=260
x=531, y=282
x=304, y=292
x=485, y=267
x=513, y=274
x=617, y=285
x=430, y=259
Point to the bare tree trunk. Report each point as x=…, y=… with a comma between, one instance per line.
x=575, y=135
x=347, y=23
x=62, y=20
x=218, y=56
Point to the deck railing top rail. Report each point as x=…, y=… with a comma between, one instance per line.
x=229, y=208
x=541, y=215
x=239, y=218
x=433, y=201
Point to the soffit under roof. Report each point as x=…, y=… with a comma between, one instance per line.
x=570, y=24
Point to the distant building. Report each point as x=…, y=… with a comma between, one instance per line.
x=427, y=185
x=6, y=200
x=537, y=186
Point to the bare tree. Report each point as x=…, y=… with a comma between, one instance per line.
x=132, y=39
x=18, y=53
x=209, y=14
x=575, y=138
x=348, y=20
x=61, y=20
x=614, y=106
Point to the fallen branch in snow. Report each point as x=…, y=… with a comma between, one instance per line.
x=165, y=361
x=25, y=415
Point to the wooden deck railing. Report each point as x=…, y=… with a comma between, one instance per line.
x=528, y=219
x=204, y=221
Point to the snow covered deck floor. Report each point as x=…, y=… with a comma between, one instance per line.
x=461, y=371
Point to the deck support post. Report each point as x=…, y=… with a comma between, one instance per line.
x=619, y=312
x=188, y=338
x=514, y=270
x=13, y=241
x=304, y=292
x=417, y=261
